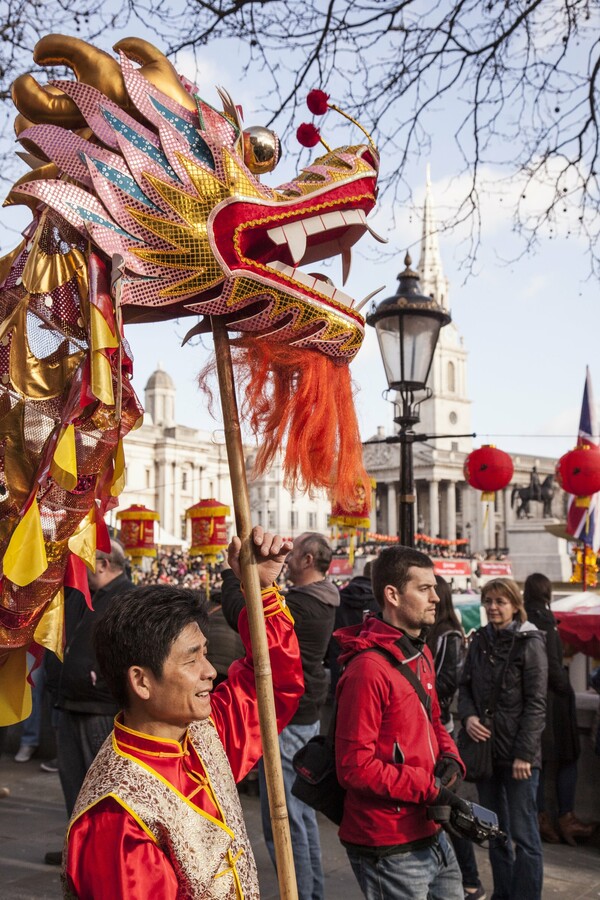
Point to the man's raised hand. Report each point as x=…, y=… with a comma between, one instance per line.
x=270, y=551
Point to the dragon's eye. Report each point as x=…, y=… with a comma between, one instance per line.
x=261, y=149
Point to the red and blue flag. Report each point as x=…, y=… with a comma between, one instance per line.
x=582, y=523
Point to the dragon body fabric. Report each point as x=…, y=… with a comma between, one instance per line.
x=148, y=205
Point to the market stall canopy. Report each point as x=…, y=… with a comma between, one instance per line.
x=578, y=617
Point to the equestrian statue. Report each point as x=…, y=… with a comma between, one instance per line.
x=540, y=492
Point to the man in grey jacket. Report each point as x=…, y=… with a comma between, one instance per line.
x=312, y=601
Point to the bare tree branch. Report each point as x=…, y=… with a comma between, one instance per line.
x=521, y=75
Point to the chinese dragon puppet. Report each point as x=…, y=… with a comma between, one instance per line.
x=148, y=205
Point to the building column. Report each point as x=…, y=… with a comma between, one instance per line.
x=392, y=509
x=161, y=490
x=434, y=509
x=508, y=513
x=451, y=510
x=490, y=531
x=176, y=489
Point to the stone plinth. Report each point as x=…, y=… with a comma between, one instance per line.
x=533, y=549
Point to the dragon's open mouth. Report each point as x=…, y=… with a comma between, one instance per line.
x=319, y=237
x=274, y=242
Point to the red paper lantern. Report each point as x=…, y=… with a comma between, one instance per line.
x=137, y=530
x=488, y=470
x=209, y=528
x=578, y=472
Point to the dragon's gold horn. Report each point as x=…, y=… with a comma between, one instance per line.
x=90, y=65
x=39, y=106
x=156, y=68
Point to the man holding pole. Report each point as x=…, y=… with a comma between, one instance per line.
x=158, y=813
x=313, y=599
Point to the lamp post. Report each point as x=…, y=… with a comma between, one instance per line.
x=408, y=325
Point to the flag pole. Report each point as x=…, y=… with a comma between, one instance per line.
x=262, y=665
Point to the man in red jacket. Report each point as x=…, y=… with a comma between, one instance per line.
x=394, y=757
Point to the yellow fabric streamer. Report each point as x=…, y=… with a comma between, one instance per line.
x=118, y=481
x=101, y=338
x=25, y=558
x=50, y=629
x=83, y=542
x=15, y=692
x=64, y=462
x=102, y=387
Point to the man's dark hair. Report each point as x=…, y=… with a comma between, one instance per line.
x=116, y=558
x=139, y=630
x=320, y=550
x=391, y=567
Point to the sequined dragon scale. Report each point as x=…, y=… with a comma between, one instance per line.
x=148, y=205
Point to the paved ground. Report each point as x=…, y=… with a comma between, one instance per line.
x=32, y=821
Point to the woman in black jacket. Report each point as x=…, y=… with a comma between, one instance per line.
x=502, y=698
x=560, y=740
x=446, y=640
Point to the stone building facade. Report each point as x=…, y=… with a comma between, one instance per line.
x=170, y=467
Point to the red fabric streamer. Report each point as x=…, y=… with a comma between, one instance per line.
x=317, y=102
x=308, y=135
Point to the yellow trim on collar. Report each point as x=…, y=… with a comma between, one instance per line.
x=149, y=737
x=174, y=789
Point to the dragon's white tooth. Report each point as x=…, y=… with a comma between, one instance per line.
x=351, y=216
x=295, y=236
x=314, y=225
x=360, y=305
x=323, y=287
x=304, y=278
x=346, y=263
x=279, y=266
x=361, y=215
x=374, y=234
x=333, y=220
x=277, y=235
x=342, y=297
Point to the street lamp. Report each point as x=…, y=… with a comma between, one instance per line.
x=408, y=327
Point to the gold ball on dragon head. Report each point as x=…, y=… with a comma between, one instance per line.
x=261, y=149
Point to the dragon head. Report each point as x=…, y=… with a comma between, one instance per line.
x=167, y=182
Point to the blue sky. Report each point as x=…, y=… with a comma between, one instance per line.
x=530, y=326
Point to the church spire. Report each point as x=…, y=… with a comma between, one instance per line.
x=431, y=273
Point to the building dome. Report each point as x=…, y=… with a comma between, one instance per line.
x=160, y=379
x=159, y=397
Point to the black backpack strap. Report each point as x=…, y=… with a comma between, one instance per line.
x=410, y=676
x=405, y=670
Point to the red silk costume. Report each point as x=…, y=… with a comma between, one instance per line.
x=111, y=854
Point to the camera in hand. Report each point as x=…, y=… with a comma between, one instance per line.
x=469, y=820
x=479, y=825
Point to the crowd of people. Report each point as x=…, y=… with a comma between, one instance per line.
x=148, y=778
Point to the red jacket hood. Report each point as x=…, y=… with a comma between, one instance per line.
x=373, y=632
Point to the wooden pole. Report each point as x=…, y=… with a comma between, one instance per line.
x=262, y=665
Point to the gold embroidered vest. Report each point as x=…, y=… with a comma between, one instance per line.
x=213, y=860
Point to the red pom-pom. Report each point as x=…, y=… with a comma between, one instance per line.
x=317, y=102
x=308, y=135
